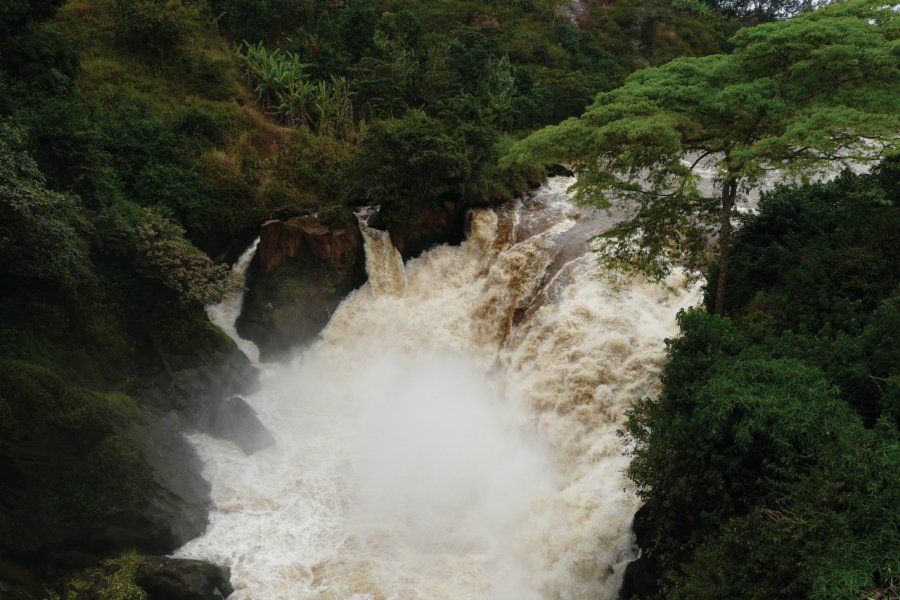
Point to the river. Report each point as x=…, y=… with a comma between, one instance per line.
x=452, y=432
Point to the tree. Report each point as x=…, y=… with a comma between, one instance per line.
x=16, y=14
x=758, y=11
x=760, y=482
x=163, y=255
x=38, y=234
x=795, y=95
x=407, y=164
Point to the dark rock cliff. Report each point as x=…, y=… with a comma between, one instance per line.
x=301, y=272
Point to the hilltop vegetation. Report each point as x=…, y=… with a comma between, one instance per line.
x=129, y=116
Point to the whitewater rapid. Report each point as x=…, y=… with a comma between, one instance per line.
x=452, y=433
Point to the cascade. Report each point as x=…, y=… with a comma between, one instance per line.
x=226, y=313
x=384, y=265
x=452, y=432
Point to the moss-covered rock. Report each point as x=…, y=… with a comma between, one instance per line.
x=112, y=579
x=80, y=473
x=184, y=579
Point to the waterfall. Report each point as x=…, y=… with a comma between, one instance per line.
x=384, y=265
x=226, y=313
x=452, y=433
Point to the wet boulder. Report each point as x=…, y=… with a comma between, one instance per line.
x=236, y=421
x=184, y=579
x=302, y=270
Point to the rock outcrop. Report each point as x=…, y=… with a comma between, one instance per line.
x=196, y=386
x=302, y=270
x=639, y=580
x=236, y=421
x=282, y=241
x=442, y=223
x=176, y=506
x=184, y=579
x=87, y=475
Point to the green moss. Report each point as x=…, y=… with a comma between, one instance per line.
x=122, y=404
x=111, y=476
x=37, y=403
x=113, y=580
x=77, y=469
x=190, y=334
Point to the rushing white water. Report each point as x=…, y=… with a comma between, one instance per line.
x=225, y=314
x=452, y=434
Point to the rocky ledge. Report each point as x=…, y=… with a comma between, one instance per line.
x=183, y=579
x=301, y=272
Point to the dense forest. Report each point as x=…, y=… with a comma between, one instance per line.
x=770, y=461
x=143, y=143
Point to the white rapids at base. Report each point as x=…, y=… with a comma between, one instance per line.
x=452, y=434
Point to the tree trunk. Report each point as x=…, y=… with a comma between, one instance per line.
x=729, y=191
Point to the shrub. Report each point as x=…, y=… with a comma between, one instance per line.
x=154, y=27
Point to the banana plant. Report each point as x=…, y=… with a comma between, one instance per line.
x=335, y=108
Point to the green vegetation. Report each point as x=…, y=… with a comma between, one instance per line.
x=142, y=139
x=112, y=580
x=794, y=95
x=63, y=456
x=136, y=130
x=770, y=461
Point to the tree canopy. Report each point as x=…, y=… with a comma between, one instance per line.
x=795, y=95
x=769, y=461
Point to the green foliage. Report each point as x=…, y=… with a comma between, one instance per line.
x=155, y=27
x=769, y=462
x=407, y=164
x=321, y=164
x=213, y=78
x=824, y=253
x=38, y=403
x=381, y=87
x=112, y=580
x=38, y=235
x=249, y=21
x=832, y=92
x=163, y=255
x=815, y=271
x=282, y=86
x=15, y=15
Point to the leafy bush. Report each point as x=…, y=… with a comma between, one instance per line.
x=407, y=164
x=155, y=27
x=38, y=236
x=15, y=15
x=213, y=78
x=163, y=255
x=769, y=462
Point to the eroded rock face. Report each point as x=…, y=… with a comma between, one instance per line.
x=87, y=473
x=281, y=241
x=177, y=504
x=184, y=579
x=442, y=223
x=302, y=270
x=640, y=580
x=195, y=387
